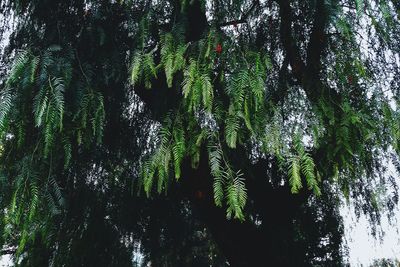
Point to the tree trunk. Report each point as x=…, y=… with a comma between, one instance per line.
x=264, y=240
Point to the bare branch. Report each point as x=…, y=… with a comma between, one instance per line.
x=8, y=251
x=244, y=16
x=232, y=22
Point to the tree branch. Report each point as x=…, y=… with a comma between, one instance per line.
x=8, y=251
x=232, y=22
x=308, y=72
x=288, y=41
x=317, y=40
x=243, y=18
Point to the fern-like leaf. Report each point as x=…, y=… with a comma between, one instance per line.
x=215, y=160
x=178, y=147
x=294, y=175
x=308, y=170
x=231, y=131
x=236, y=195
x=136, y=67
x=19, y=66
x=207, y=92
x=6, y=103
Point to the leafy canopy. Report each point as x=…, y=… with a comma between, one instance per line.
x=308, y=88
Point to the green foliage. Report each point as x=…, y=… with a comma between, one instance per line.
x=6, y=102
x=29, y=203
x=303, y=164
x=215, y=156
x=246, y=90
x=136, y=67
x=169, y=154
x=231, y=131
x=91, y=115
x=236, y=195
x=242, y=80
x=197, y=88
x=178, y=148
x=294, y=175
x=48, y=108
x=143, y=67
x=228, y=184
x=43, y=79
x=172, y=54
x=246, y=114
x=19, y=68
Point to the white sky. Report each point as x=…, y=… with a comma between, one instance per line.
x=363, y=248
x=5, y=261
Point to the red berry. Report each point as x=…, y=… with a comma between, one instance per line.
x=218, y=49
x=350, y=79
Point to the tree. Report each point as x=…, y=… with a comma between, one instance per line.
x=261, y=114
x=385, y=262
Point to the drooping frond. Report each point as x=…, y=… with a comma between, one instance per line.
x=6, y=103
x=231, y=131
x=136, y=67
x=294, y=175
x=172, y=56
x=215, y=156
x=302, y=164
x=91, y=111
x=143, y=68
x=178, y=147
x=197, y=88
x=308, y=170
x=19, y=67
x=236, y=195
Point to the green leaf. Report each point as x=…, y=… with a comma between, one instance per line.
x=308, y=170
x=207, y=90
x=236, y=195
x=231, y=131
x=294, y=175
x=6, y=103
x=136, y=67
